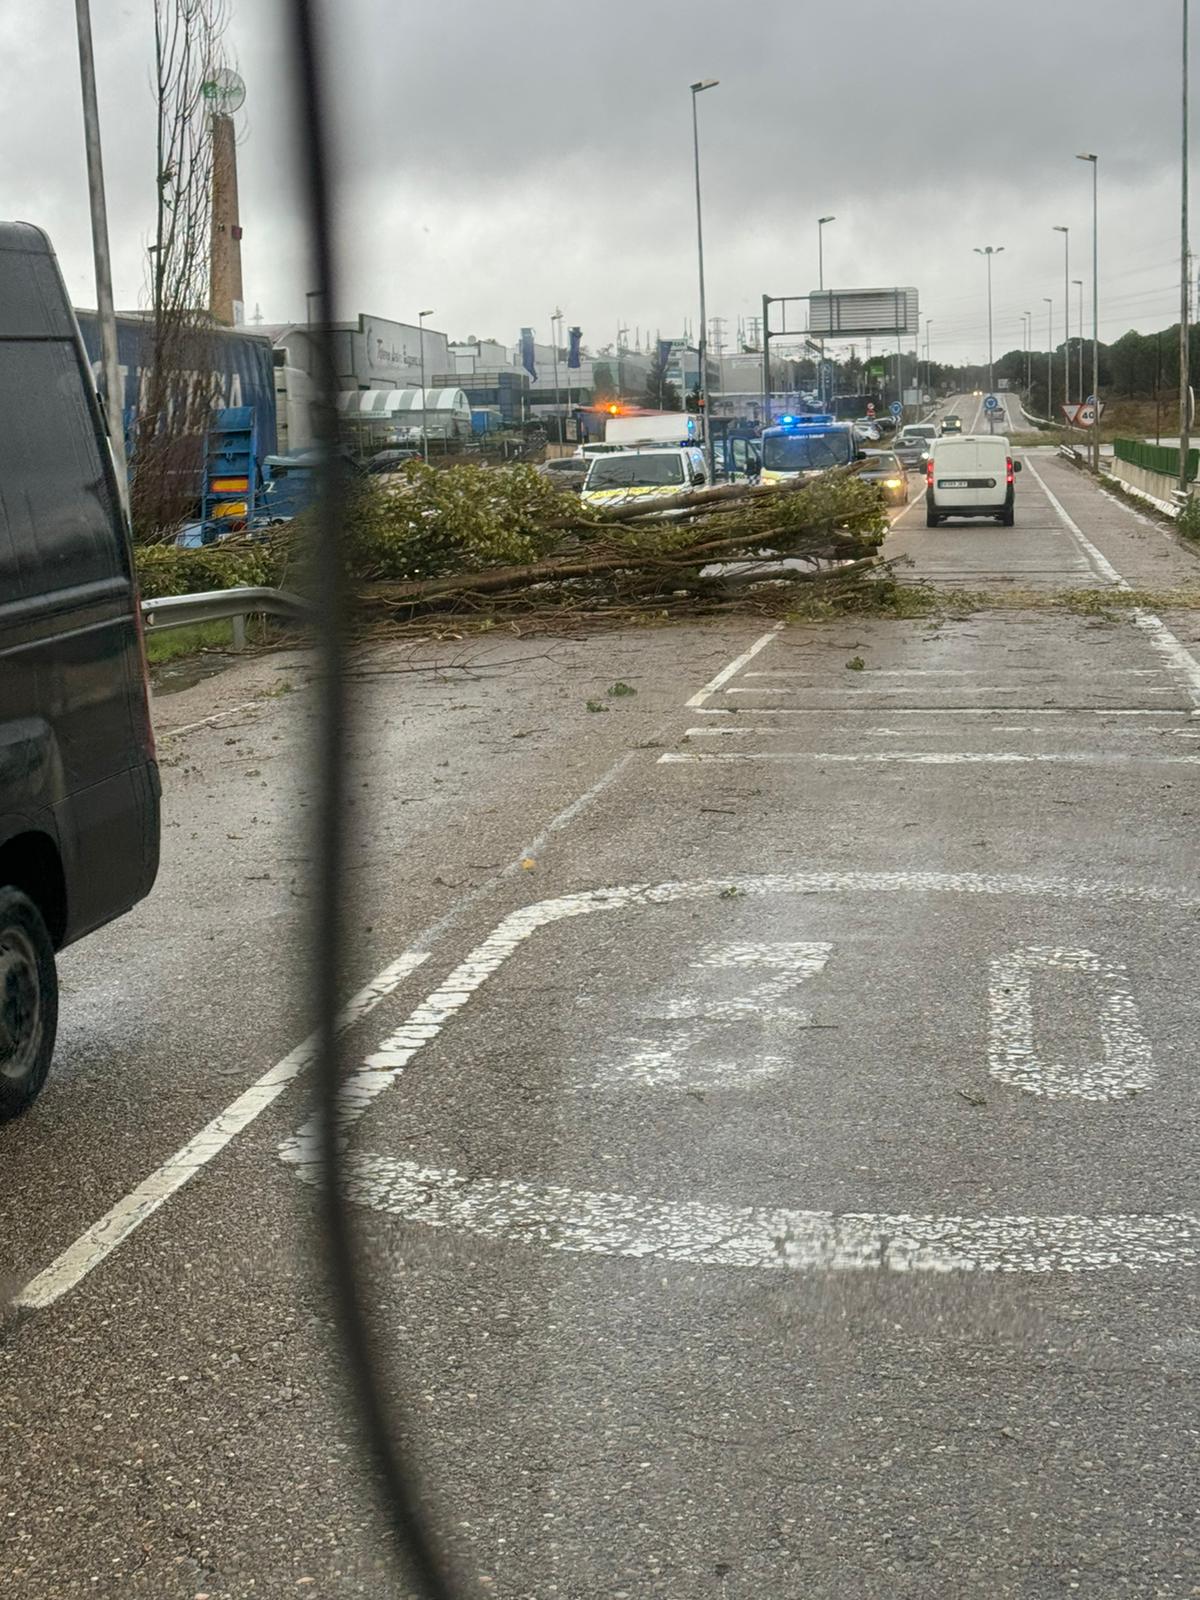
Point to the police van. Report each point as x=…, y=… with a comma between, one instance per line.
x=801, y=447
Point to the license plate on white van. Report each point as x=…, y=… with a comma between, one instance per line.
x=952, y=483
x=966, y=483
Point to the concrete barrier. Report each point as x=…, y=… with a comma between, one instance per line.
x=1156, y=486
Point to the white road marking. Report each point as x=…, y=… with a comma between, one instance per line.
x=838, y=691
x=1126, y=1067
x=635, y=1227
x=672, y=1062
x=938, y=758
x=1038, y=673
x=731, y=671
x=939, y=711
x=1158, y=635
x=126, y=1216
x=217, y=716
x=559, y=1218
x=743, y=730
x=115, y=1226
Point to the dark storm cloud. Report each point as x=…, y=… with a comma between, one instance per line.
x=497, y=160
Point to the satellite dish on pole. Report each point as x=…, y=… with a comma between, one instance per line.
x=224, y=91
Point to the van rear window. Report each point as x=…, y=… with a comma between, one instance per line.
x=57, y=518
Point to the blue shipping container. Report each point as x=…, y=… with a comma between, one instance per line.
x=242, y=365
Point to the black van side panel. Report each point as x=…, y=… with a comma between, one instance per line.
x=76, y=758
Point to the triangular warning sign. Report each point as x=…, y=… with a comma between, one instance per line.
x=1071, y=412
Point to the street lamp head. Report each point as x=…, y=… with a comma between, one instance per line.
x=989, y=250
x=821, y=221
x=705, y=83
x=1085, y=156
x=428, y=313
x=1058, y=228
x=1078, y=281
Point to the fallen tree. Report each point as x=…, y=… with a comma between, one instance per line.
x=475, y=541
x=429, y=547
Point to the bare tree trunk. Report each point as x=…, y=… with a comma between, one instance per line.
x=179, y=392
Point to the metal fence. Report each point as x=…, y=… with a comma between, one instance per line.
x=1161, y=458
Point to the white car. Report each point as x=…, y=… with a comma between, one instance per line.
x=868, y=429
x=660, y=473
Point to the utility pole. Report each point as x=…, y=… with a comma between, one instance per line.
x=1089, y=156
x=1049, y=355
x=766, y=360
x=989, y=251
x=698, y=89
x=1027, y=319
x=1066, y=233
x=821, y=221
x=114, y=398
x=1078, y=282
x=1185, y=409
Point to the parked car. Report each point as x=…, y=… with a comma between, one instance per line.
x=868, y=430
x=392, y=460
x=567, y=473
x=883, y=467
x=79, y=784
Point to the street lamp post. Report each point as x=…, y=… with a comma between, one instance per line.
x=1066, y=233
x=1027, y=322
x=821, y=221
x=1078, y=282
x=1049, y=354
x=1086, y=156
x=114, y=399
x=989, y=251
x=1185, y=407
x=421, y=315
x=928, y=362
x=698, y=89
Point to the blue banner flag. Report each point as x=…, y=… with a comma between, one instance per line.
x=664, y=352
x=527, y=353
x=573, y=349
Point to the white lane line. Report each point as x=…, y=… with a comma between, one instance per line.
x=1126, y=1066
x=939, y=758
x=743, y=730
x=594, y=1222
x=122, y=1219
x=731, y=670
x=941, y=711
x=1038, y=673
x=115, y=1226
x=964, y=688
x=1158, y=635
x=217, y=716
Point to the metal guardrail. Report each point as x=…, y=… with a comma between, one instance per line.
x=1071, y=453
x=222, y=605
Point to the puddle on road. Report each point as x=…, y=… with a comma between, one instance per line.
x=169, y=677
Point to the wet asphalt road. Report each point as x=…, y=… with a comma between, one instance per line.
x=781, y=1184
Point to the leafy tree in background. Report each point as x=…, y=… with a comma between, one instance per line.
x=661, y=394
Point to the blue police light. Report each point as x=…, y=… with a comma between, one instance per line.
x=787, y=419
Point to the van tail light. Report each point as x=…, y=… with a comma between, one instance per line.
x=147, y=730
x=1010, y=470
x=929, y=473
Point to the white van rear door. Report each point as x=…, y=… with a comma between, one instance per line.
x=970, y=472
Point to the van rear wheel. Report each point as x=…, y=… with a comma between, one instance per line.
x=931, y=517
x=1007, y=518
x=28, y=1002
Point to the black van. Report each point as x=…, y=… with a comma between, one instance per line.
x=79, y=786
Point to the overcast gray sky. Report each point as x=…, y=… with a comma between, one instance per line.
x=499, y=159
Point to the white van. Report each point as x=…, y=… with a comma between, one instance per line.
x=970, y=475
